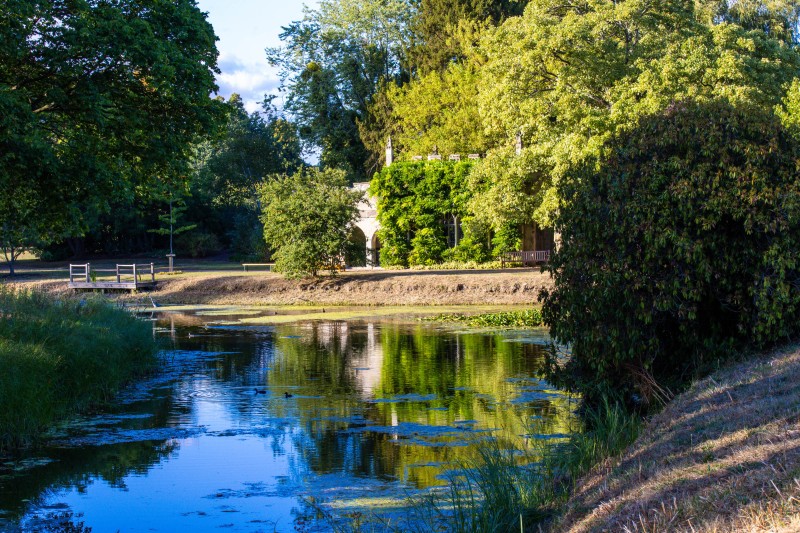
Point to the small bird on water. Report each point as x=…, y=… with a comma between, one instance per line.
x=287, y=395
x=260, y=391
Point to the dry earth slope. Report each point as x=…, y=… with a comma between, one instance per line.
x=724, y=456
x=402, y=287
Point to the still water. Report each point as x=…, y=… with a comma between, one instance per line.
x=285, y=427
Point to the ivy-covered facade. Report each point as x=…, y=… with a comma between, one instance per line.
x=427, y=215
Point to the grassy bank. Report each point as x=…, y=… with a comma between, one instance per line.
x=723, y=456
x=59, y=357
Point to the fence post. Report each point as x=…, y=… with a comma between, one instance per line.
x=135, y=279
x=152, y=273
x=118, y=278
x=88, y=276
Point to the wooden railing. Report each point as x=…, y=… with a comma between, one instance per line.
x=82, y=271
x=136, y=271
x=525, y=258
x=120, y=277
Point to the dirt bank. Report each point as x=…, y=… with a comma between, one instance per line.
x=725, y=456
x=404, y=287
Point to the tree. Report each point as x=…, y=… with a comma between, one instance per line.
x=677, y=246
x=417, y=203
x=334, y=61
x=569, y=76
x=308, y=217
x=229, y=169
x=98, y=98
x=441, y=27
x=438, y=111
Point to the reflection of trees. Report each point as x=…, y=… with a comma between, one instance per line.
x=326, y=367
x=78, y=467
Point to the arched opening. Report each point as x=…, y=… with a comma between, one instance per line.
x=375, y=251
x=356, y=253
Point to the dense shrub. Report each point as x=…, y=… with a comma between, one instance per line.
x=307, y=219
x=677, y=246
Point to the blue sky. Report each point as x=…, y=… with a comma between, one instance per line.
x=245, y=28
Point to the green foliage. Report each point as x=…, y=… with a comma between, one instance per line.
x=609, y=428
x=570, y=76
x=416, y=202
x=332, y=65
x=437, y=110
x=98, y=99
x=460, y=265
x=229, y=169
x=439, y=27
x=529, y=318
x=61, y=356
x=506, y=239
x=676, y=247
x=308, y=217
x=427, y=246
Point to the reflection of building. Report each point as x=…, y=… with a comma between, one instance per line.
x=365, y=231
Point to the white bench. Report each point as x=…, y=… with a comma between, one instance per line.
x=268, y=266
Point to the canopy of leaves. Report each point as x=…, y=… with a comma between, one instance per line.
x=678, y=245
x=332, y=64
x=307, y=218
x=97, y=99
x=229, y=169
x=440, y=25
x=569, y=76
x=437, y=111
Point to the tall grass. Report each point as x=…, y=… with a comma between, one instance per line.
x=504, y=489
x=59, y=357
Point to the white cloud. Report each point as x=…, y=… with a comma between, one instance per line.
x=249, y=80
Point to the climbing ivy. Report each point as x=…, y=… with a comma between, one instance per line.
x=416, y=202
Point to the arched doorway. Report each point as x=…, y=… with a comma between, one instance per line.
x=375, y=251
x=356, y=253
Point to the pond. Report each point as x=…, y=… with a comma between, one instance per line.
x=282, y=427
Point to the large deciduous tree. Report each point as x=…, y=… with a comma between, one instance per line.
x=568, y=76
x=98, y=98
x=231, y=167
x=442, y=26
x=332, y=65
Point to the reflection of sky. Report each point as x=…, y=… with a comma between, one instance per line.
x=245, y=29
x=252, y=456
x=209, y=483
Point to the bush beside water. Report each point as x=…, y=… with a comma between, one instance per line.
x=62, y=356
x=529, y=318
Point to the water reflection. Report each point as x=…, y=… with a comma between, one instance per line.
x=244, y=423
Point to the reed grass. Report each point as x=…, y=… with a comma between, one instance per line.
x=59, y=357
x=505, y=489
